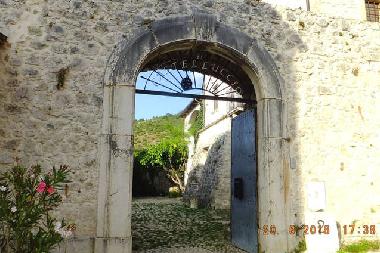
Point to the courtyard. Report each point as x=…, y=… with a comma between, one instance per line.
x=168, y=226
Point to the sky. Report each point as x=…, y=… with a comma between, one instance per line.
x=148, y=106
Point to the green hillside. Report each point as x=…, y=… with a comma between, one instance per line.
x=154, y=130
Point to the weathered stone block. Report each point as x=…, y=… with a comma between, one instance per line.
x=270, y=112
x=179, y=28
x=122, y=64
x=35, y=30
x=205, y=25
x=233, y=38
x=123, y=111
x=31, y=72
x=58, y=29
x=77, y=244
x=114, y=245
x=6, y=158
x=267, y=71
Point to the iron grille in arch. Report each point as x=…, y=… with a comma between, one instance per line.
x=200, y=74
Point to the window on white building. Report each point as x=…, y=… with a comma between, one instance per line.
x=373, y=10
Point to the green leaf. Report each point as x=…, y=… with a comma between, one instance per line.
x=33, y=209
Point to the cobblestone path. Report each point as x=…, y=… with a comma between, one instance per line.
x=162, y=225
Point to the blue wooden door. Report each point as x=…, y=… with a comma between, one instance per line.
x=243, y=182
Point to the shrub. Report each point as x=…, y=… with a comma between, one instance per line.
x=360, y=246
x=174, y=192
x=27, y=197
x=170, y=155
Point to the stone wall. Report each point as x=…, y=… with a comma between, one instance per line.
x=189, y=118
x=42, y=121
x=330, y=68
x=208, y=171
x=289, y=3
x=149, y=183
x=209, y=175
x=332, y=115
x=353, y=9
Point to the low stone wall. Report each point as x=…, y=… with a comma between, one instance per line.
x=150, y=182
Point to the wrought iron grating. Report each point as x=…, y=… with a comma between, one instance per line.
x=199, y=75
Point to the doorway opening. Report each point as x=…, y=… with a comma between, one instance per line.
x=194, y=151
x=249, y=57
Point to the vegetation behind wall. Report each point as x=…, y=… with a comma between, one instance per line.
x=198, y=124
x=160, y=155
x=152, y=131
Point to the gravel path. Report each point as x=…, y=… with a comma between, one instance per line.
x=163, y=225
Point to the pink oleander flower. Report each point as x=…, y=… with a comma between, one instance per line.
x=41, y=187
x=50, y=190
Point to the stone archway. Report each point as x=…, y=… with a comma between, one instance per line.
x=116, y=145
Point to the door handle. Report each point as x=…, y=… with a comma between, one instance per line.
x=238, y=188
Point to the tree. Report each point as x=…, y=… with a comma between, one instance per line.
x=170, y=155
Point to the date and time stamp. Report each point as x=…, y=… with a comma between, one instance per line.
x=320, y=229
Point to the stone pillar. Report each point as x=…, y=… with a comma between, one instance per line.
x=116, y=165
x=271, y=196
